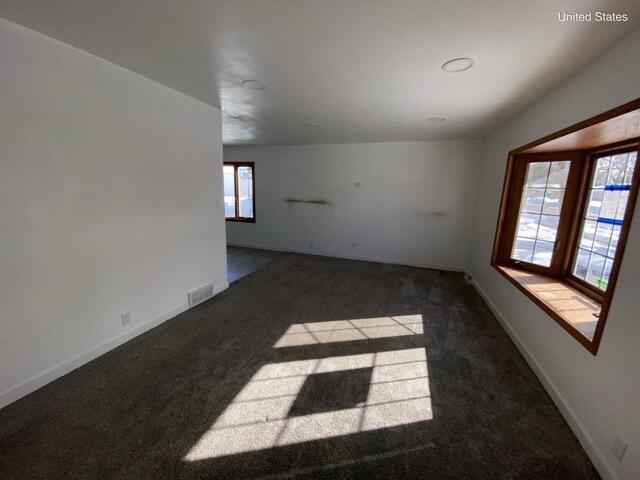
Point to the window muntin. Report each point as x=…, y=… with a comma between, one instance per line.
x=539, y=215
x=603, y=218
x=239, y=201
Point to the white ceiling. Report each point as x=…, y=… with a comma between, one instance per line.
x=339, y=70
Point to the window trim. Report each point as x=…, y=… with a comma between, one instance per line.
x=235, y=166
x=583, y=161
x=511, y=215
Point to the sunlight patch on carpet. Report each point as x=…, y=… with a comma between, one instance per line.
x=259, y=416
x=349, y=330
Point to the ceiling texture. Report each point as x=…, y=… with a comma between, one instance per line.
x=340, y=71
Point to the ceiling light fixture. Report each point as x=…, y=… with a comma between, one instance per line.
x=457, y=65
x=437, y=119
x=313, y=125
x=253, y=84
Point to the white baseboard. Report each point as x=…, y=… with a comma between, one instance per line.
x=364, y=258
x=48, y=376
x=220, y=288
x=599, y=460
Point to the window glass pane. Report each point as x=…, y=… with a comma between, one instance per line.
x=603, y=218
x=537, y=174
x=229, y=191
x=558, y=174
x=532, y=200
x=595, y=202
x=245, y=191
x=602, y=238
x=588, y=234
x=609, y=207
x=615, y=236
x=601, y=172
x=523, y=249
x=540, y=209
x=631, y=163
x=596, y=269
x=622, y=205
x=542, y=253
x=608, y=265
x=528, y=224
x=582, y=264
x=617, y=169
x=553, y=201
x=548, y=227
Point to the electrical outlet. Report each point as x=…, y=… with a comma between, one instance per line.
x=619, y=448
x=126, y=319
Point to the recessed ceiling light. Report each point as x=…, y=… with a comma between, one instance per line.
x=457, y=65
x=253, y=84
x=437, y=119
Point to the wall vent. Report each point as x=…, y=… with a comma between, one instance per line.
x=199, y=295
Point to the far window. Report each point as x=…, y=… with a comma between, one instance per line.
x=239, y=190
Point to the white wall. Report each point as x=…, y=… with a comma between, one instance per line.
x=599, y=395
x=412, y=206
x=111, y=202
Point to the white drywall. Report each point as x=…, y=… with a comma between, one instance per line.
x=599, y=395
x=111, y=202
x=405, y=202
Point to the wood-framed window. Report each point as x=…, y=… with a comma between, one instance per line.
x=566, y=208
x=239, y=192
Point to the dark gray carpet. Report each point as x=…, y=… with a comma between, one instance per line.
x=137, y=412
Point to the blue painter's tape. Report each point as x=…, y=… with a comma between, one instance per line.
x=610, y=221
x=617, y=187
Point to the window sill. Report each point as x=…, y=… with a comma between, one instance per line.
x=573, y=310
x=241, y=220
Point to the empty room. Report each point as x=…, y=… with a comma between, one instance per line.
x=319, y=239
